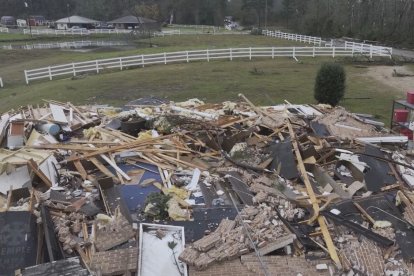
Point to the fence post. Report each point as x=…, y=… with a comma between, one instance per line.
x=1, y=82
x=313, y=51
x=142, y=59
x=165, y=58
x=273, y=52
x=208, y=56
x=50, y=73
x=370, y=51
x=294, y=53
x=250, y=53
x=25, y=77
x=97, y=66
x=120, y=63
x=73, y=69
x=231, y=54
x=333, y=52
x=187, y=56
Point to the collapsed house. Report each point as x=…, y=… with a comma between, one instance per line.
x=189, y=188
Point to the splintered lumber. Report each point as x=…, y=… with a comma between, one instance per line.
x=131, y=145
x=101, y=167
x=321, y=220
x=112, y=163
x=80, y=169
x=33, y=166
x=366, y=215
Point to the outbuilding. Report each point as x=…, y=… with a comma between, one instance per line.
x=135, y=22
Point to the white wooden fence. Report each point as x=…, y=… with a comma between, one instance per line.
x=75, y=31
x=73, y=69
x=295, y=37
x=65, y=45
x=361, y=48
x=373, y=50
x=4, y=30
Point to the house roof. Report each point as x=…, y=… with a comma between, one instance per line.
x=77, y=20
x=130, y=19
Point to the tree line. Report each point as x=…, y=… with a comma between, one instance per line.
x=389, y=21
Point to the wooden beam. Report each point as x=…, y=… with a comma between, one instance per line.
x=33, y=166
x=321, y=220
x=101, y=167
x=366, y=215
x=81, y=169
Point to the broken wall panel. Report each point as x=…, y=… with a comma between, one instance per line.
x=159, y=248
x=283, y=159
x=379, y=173
x=18, y=241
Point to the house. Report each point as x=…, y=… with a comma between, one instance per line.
x=8, y=21
x=37, y=20
x=135, y=22
x=75, y=20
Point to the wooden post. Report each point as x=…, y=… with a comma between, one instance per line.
x=208, y=56
x=50, y=73
x=321, y=220
x=165, y=58
x=187, y=56
x=250, y=53
x=97, y=66
x=231, y=55
x=120, y=64
x=142, y=60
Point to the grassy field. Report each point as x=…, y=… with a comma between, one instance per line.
x=264, y=81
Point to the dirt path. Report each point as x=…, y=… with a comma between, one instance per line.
x=384, y=74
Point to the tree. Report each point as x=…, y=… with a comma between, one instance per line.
x=330, y=84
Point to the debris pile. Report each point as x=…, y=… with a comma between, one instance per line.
x=185, y=188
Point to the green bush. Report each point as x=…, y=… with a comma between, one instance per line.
x=330, y=84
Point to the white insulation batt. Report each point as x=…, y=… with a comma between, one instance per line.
x=155, y=256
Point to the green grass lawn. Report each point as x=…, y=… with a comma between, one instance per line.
x=264, y=81
x=274, y=81
x=14, y=62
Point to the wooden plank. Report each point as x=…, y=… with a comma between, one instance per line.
x=33, y=166
x=132, y=145
x=321, y=220
x=366, y=215
x=81, y=169
x=101, y=167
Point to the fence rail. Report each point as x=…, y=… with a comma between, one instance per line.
x=65, y=45
x=368, y=48
x=75, y=32
x=295, y=37
x=73, y=69
x=4, y=30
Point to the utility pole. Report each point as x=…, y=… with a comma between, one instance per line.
x=67, y=11
x=28, y=18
